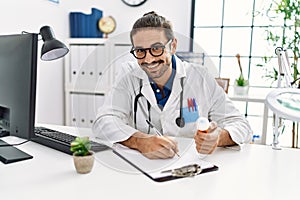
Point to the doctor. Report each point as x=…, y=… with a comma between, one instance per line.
x=171, y=94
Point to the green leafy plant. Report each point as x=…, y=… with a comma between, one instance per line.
x=81, y=146
x=287, y=12
x=241, y=81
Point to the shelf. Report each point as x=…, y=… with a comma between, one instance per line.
x=81, y=41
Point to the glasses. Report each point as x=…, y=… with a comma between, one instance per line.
x=155, y=50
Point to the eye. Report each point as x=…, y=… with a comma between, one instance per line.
x=139, y=50
x=156, y=48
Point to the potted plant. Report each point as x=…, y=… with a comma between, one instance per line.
x=241, y=85
x=287, y=12
x=82, y=155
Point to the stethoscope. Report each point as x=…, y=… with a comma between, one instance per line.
x=180, y=122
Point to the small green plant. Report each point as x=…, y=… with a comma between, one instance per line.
x=81, y=146
x=241, y=81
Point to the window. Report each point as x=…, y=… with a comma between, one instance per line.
x=224, y=28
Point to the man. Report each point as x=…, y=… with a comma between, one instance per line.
x=161, y=90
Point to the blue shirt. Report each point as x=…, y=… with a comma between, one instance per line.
x=162, y=96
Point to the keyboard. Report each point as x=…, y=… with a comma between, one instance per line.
x=59, y=140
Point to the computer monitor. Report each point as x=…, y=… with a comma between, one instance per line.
x=18, y=70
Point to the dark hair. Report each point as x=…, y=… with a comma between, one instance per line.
x=152, y=20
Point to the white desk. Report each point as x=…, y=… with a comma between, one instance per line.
x=257, y=172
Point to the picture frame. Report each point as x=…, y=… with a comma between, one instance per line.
x=224, y=83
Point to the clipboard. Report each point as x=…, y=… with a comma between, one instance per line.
x=161, y=170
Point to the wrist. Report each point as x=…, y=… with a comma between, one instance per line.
x=225, y=138
x=135, y=140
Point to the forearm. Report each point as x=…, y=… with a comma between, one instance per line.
x=225, y=139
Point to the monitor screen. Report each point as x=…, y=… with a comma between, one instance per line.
x=18, y=68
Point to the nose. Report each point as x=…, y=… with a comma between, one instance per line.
x=148, y=58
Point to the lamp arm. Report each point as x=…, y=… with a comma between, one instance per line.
x=284, y=67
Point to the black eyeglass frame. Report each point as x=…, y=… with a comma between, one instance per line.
x=150, y=50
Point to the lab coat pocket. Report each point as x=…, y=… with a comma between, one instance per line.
x=190, y=116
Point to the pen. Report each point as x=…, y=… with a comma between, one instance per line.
x=158, y=132
x=155, y=129
x=195, y=104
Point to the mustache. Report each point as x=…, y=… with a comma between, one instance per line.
x=152, y=63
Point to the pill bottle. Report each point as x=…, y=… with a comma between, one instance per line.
x=202, y=125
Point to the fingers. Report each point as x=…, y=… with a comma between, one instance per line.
x=161, y=153
x=169, y=147
x=205, y=147
x=212, y=126
x=160, y=148
x=173, y=144
x=206, y=143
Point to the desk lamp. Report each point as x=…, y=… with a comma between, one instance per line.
x=284, y=101
x=52, y=48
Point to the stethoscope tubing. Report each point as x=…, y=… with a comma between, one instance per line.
x=180, y=122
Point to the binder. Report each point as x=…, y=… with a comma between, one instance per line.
x=74, y=63
x=161, y=170
x=85, y=25
x=74, y=110
x=83, y=71
x=102, y=68
x=83, y=110
x=91, y=78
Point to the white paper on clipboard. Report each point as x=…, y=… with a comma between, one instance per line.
x=155, y=168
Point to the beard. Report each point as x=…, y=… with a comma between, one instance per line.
x=156, y=69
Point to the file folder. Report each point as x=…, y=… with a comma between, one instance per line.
x=161, y=170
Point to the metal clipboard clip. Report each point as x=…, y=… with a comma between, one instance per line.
x=185, y=171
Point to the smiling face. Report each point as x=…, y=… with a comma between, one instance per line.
x=159, y=68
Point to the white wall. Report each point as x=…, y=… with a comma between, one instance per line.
x=30, y=15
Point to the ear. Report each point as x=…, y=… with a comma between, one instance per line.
x=173, y=46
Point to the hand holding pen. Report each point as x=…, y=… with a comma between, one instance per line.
x=160, y=134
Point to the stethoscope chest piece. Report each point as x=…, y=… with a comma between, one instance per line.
x=180, y=122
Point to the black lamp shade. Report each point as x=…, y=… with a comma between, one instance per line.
x=52, y=48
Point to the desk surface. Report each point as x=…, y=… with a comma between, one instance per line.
x=255, y=172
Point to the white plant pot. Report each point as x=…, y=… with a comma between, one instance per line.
x=241, y=90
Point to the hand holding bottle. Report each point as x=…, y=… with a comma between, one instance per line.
x=207, y=136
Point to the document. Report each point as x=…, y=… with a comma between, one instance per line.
x=161, y=169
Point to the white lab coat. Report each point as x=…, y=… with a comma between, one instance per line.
x=114, y=121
